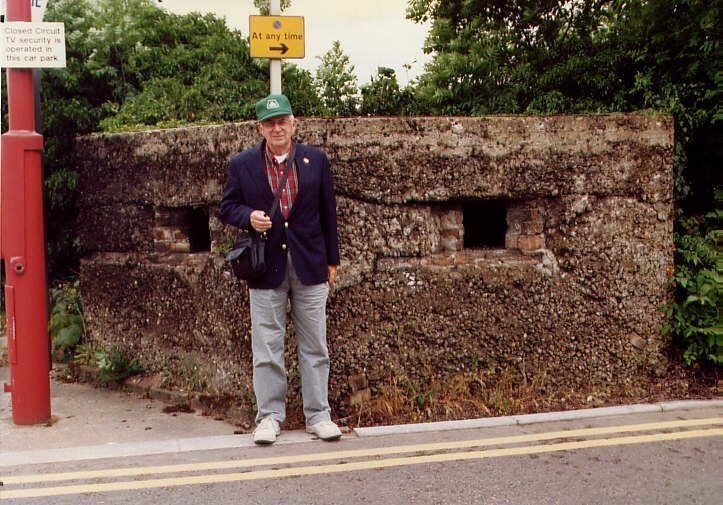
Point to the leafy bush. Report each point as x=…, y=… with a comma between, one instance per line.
x=695, y=315
x=66, y=325
x=116, y=365
x=383, y=96
x=336, y=83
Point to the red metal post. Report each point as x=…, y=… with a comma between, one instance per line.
x=22, y=244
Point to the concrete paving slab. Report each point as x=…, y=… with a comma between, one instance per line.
x=84, y=415
x=146, y=448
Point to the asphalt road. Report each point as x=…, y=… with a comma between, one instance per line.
x=653, y=459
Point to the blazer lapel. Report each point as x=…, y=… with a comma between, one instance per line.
x=302, y=168
x=258, y=175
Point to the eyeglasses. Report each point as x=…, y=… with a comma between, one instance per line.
x=283, y=122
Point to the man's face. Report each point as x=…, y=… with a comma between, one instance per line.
x=278, y=132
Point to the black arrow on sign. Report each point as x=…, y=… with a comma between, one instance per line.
x=283, y=48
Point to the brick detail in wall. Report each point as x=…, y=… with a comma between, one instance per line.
x=525, y=227
x=451, y=230
x=170, y=233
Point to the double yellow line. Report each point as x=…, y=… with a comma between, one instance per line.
x=382, y=455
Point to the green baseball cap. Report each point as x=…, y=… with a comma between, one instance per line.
x=273, y=106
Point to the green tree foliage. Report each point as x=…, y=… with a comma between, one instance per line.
x=562, y=56
x=166, y=68
x=383, y=97
x=336, y=83
x=135, y=65
x=264, y=6
x=299, y=87
x=555, y=56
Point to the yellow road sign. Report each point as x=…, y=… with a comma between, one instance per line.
x=276, y=37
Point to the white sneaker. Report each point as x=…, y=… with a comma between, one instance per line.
x=325, y=430
x=267, y=431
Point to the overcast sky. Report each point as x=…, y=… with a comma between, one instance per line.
x=372, y=33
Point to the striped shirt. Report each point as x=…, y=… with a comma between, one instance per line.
x=274, y=173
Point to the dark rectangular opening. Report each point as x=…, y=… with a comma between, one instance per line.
x=485, y=224
x=199, y=235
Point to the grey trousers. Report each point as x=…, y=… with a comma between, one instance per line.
x=268, y=329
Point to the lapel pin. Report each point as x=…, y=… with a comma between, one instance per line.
x=306, y=161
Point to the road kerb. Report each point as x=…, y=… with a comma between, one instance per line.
x=567, y=415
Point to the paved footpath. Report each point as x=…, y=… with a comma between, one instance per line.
x=113, y=447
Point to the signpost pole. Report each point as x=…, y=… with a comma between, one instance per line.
x=275, y=64
x=22, y=245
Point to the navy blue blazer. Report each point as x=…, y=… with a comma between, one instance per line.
x=309, y=233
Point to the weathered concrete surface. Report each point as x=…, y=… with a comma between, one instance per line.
x=575, y=296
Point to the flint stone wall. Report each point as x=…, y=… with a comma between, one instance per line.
x=571, y=289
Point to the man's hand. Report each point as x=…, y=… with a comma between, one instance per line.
x=332, y=274
x=260, y=221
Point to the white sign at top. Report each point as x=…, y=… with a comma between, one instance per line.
x=32, y=45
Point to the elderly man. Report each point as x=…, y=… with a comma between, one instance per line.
x=302, y=256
